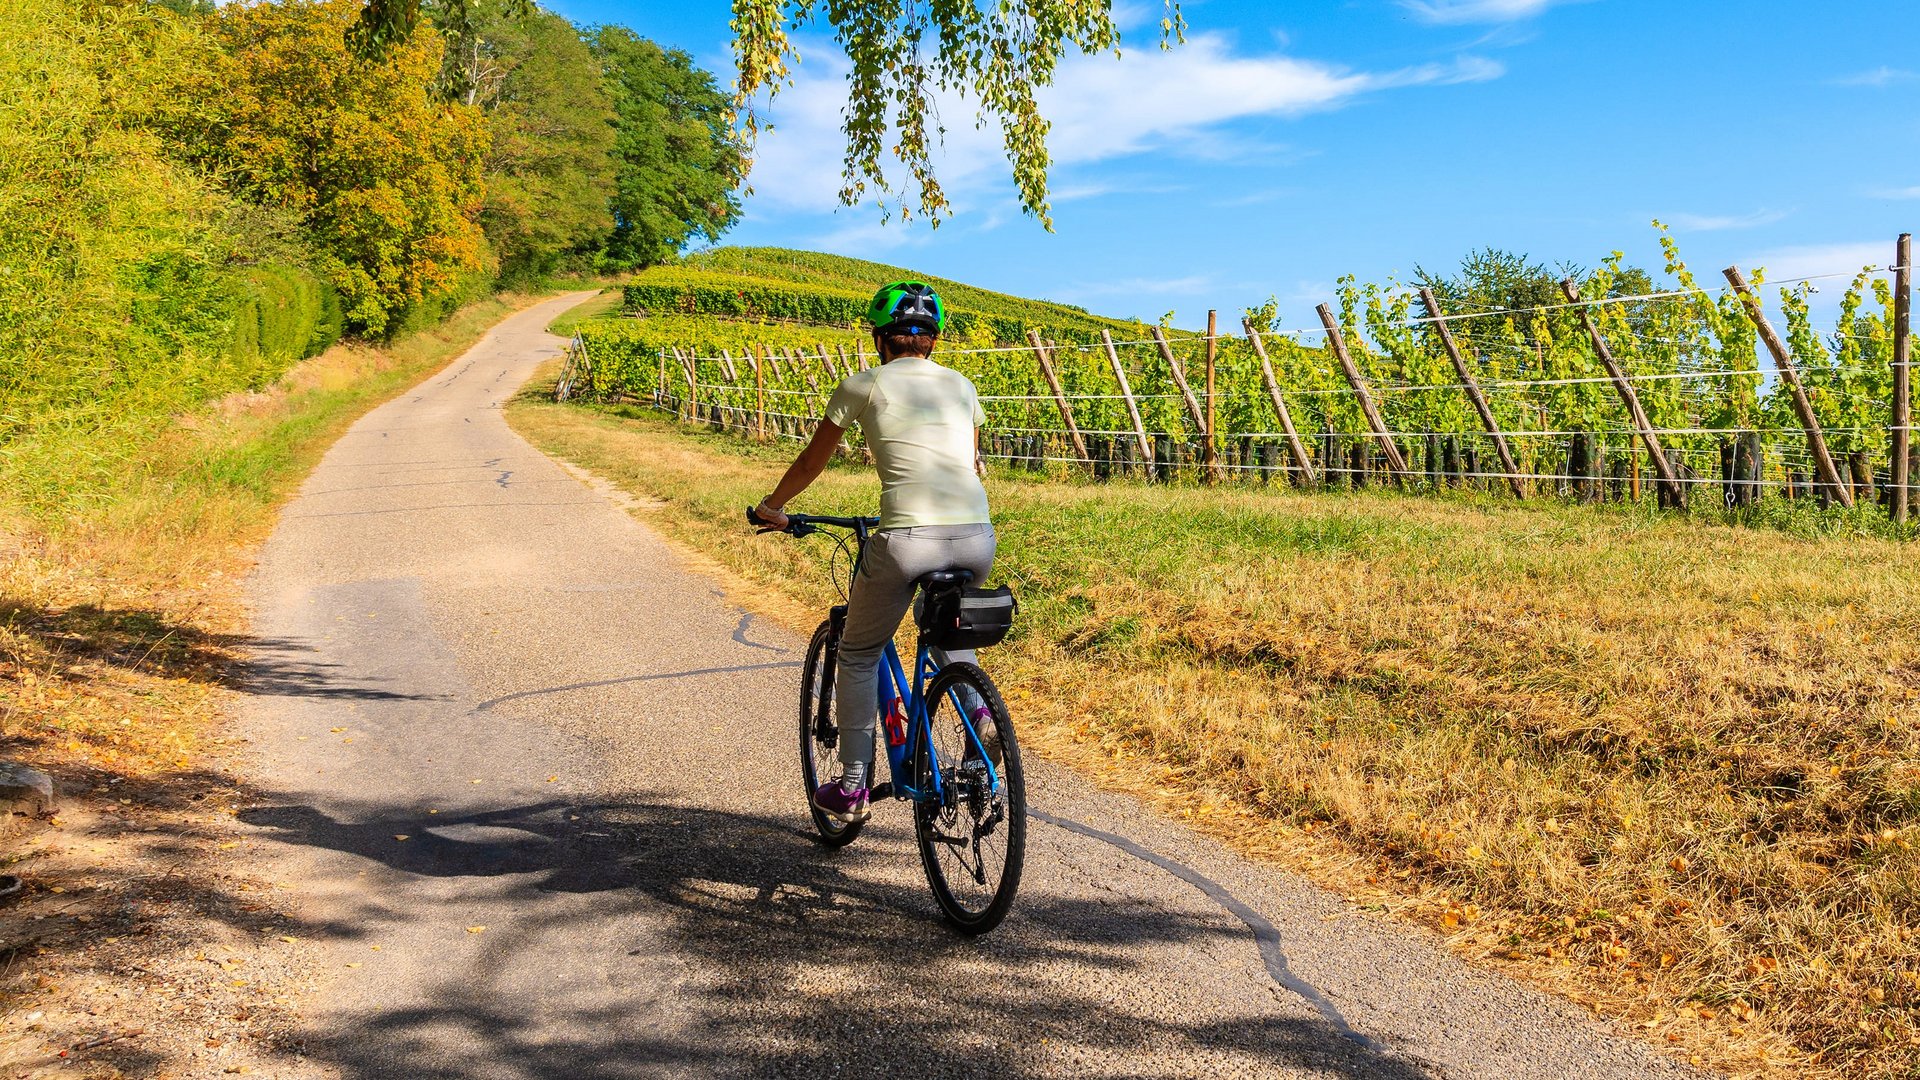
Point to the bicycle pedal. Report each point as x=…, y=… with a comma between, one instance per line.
x=880, y=791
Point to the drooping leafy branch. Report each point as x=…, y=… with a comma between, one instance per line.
x=904, y=54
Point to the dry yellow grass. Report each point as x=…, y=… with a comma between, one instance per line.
x=1671, y=767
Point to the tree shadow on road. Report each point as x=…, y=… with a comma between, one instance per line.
x=784, y=959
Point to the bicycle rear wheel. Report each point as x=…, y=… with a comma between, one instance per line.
x=973, y=840
x=820, y=738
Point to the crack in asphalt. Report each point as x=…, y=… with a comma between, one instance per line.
x=1264, y=932
x=740, y=634
x=502, y=699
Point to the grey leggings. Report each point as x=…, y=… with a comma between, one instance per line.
x=895, y=558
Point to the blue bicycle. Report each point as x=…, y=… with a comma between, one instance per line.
x=964, y=780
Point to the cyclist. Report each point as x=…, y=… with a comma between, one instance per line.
x=922, y=423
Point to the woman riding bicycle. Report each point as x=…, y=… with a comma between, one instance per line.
x=922, y=423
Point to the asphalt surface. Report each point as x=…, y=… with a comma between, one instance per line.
x=549, y=772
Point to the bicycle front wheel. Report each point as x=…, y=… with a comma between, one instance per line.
x=973, y=838
x=820, y=738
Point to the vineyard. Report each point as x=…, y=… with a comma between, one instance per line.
x=1683, y=396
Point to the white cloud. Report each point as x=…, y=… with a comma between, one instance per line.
x=1077, y=192
x=1149, y=101
x=1877, y=77
x=1898, y=193
x=1192, y=285
x=1719, y=222
x=1452, y=12
x=1819, y=260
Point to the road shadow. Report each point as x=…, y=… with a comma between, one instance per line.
x=800, y=961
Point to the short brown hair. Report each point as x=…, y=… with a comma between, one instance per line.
x=900, y=343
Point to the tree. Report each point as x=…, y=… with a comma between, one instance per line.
x=677, y=162
x=549, y=172
x=903, y=55
x=385, y=175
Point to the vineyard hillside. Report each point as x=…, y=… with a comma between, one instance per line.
x=1631, y=388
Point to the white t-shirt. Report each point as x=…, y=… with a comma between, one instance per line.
x=919, y=420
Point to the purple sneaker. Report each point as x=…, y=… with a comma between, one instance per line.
x=840, y=804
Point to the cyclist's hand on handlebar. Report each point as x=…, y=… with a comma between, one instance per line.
x=766, y=517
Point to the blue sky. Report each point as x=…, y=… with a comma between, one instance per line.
x=1288, y=144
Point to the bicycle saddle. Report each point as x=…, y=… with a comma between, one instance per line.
x=941, y=578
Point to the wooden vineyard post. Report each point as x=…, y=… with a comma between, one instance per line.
x=660, y=388
x=1394, y=461
x=726, y=364
x=845, y=362
x=1783, y=362
x=826, y=361
x=693, y=391
x=1179, y=379
x=1212, y=457
x=1301, y=459
x=1059, y=395
x=1472, y=386
x=1902, y=379
x=798, y=358
x=1669, y=480
x=860, y=354
x=760, y=397
x=1126, y=393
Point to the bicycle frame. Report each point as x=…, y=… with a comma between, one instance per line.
x=892, y=685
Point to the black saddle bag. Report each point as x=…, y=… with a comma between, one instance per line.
x=953, y=617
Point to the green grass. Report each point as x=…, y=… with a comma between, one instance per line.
x=604, y=306
x=1667, y=761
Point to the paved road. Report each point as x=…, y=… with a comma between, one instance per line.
x=487, y=696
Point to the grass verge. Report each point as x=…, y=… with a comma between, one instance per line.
x=1670, y=768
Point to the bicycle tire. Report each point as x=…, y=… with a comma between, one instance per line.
x=816, y=751
x=961, y=825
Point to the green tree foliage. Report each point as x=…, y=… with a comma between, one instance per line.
x=677, y=161
x=386, y=177
x=130, y=286
x=550, y=169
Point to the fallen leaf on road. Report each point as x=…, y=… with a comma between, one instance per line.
x=400, y=836
x=476, y=929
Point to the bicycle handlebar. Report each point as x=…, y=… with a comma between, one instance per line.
x=804, y=524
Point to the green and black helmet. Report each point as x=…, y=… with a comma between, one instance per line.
x=907, y=305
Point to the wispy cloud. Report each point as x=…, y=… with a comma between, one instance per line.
x=1454, y=12
x=1175, y=103
x=1256, y=198
x=1720, y=222
x=1078, y=192
x=1192, y=285
x=1877, y=77
x=1819, y=260
x=1897, y=192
